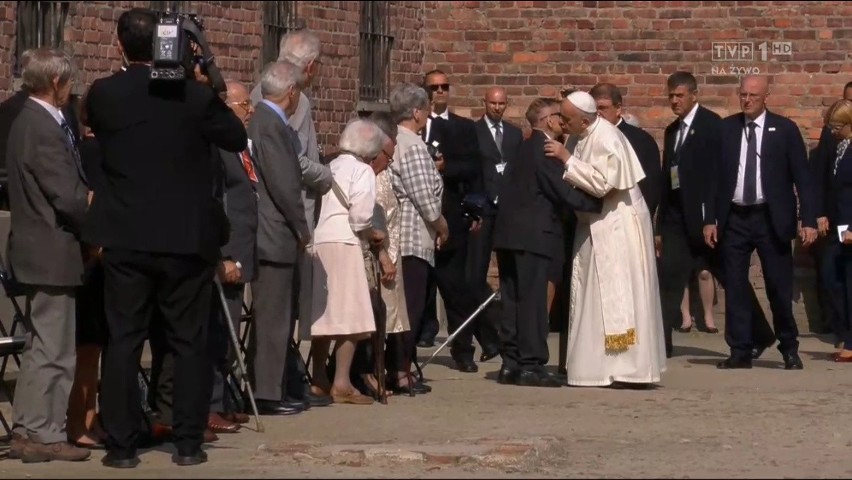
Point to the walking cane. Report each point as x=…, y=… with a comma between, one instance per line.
x=240, y=364
x=379, y=337
x=458, y=330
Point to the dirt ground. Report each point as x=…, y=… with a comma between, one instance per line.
x=700, y=422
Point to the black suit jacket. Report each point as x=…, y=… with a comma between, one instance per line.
x=159, y=172
x=240, y=201
x=783, y=166
x=462, y=173
x=822, y=162
x=529, y=218
x=838, y=193
x=701, y=150
x=649, y=156
x=490, y=156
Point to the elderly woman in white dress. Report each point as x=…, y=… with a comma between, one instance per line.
x=340, y=307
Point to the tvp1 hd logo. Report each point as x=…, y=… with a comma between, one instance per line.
x=746, y=52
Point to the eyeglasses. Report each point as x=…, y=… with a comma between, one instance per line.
x=442, y=86
x=245, y=104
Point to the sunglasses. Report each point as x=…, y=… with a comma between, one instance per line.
x=442, y=86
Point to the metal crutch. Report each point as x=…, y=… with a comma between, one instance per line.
x=240, y=364
x=458, y=330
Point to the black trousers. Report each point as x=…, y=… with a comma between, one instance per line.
x=678, y=261
x=524, y=329
x=750, y=229
x=461, y=299
x=480, y=246
x=180, y=287
x=221, y=346
x=416, y=273
x=832, y=285
x=429, y=325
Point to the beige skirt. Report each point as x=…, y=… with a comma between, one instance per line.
x=340, y=300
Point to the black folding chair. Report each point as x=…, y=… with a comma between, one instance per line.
x=11, y=345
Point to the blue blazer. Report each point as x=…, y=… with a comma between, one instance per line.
x=783, y=167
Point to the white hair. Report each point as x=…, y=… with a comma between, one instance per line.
x=278, y=77
x=631, y=119
x=42, y=66
x=404, y=98
x=300, y=47
x=363, y=138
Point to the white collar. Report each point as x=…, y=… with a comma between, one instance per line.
x=445, y=115
x=690, y=117
x=492, y=123
x=620, y=119
x=760, y=120
x=53, y=111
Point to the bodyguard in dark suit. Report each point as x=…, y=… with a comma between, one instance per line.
x=609, y=100
x=239, y=259
x=528, y=234
x=499, y=142
x=763, y=158
x=692, y=145
x=461, y=170
x=161, y=228
x=282, y=235
x=48, y=201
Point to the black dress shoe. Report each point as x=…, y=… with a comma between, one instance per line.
x=269, y=407
x=466, y=366
x=758, y=351
x=425, y=344
x=112, y=460
x=195, y=458
x=314, y=400
x=793, y=362
x=533, y=378
x=732, y=363
x=488, y=354
x=507, y=376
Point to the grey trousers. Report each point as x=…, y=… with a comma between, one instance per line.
x=47, y=364
x=273, y=361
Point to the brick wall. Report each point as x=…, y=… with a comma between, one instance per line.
x=234, y=30
x=533, y=47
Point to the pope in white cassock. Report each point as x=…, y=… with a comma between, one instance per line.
x=616, y=324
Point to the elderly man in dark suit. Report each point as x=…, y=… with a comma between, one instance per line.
x=528, y=238
x=238, y=265
x=282, y=236
x=161, y=229
x=48, y=201
x=763, y=158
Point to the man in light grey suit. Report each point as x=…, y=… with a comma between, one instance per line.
x=302, y=48
x=48, y=201
x=282, y=236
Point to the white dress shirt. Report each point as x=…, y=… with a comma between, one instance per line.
x=738, y=193
x=685, y=125
x=445, y=116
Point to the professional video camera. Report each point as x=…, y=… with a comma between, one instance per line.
x=174, y=58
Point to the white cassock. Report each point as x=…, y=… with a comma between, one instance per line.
x=616, y=323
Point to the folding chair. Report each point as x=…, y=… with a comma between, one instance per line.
x=11, y=345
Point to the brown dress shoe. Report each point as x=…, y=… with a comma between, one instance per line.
x=60, y=451
x=210, y=436
x=17, y=446
x=217, y=424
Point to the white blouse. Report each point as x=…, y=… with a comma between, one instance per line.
x=358, y=183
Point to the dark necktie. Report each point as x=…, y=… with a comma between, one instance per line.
x=69, y=136
x=681, y=137
x=498, y=138
x=750, y=180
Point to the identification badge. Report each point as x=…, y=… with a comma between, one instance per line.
x=500, y=168
x=675, y=179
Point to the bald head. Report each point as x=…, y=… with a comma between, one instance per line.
x=495, y=103
x=753, y=92
x=238, y=100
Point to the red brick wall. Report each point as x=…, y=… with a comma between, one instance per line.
x=533, y=47
x=234, y=30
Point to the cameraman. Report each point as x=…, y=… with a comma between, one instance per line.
x=161, y=228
